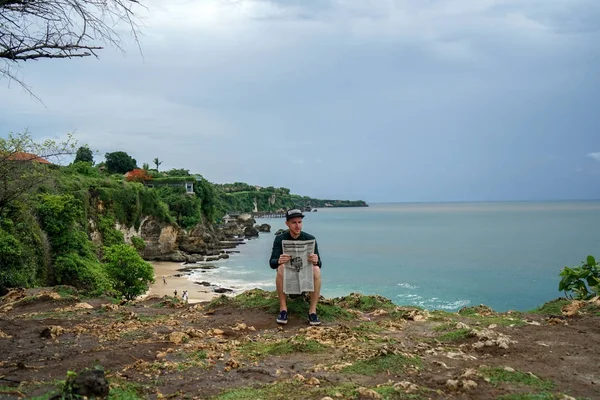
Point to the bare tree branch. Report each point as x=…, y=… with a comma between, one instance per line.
x=43, y=29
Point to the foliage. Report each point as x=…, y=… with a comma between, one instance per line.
x=178, y=172
x=129, y=273
x=185, y=209
x=119, y=162
x=22, y=252
x=84, y=154
x=138, y=175
x=82, y=168
x=110, y=235
x=582, y=282
x=22, y=164
x=295, y=344
x=85, y=273
x=157, y=162
x=138, y=243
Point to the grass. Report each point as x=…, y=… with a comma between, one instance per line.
x=455, y=336
x=267, y=301
x=365, y=303
x=379, y=364
x=296, y=344
x=553, y=307
x=497, y=375
x=367, y=328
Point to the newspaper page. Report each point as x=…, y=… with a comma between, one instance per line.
x=298, y=272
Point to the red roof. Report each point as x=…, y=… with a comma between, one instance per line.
x=22, y=156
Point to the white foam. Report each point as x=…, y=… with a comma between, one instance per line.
x=407, y=285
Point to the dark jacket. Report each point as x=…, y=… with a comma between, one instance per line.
x=278, y=248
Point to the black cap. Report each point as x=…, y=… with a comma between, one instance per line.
x=293, y=213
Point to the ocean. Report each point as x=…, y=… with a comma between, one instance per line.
x=505, y=255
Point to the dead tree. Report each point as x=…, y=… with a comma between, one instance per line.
x=38, y=29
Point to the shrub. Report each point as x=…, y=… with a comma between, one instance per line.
x=129, y=273
x=582, y=282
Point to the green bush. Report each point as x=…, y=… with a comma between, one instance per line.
x=582, y=282
x=83, y=273
x=129, y=273
x=138, y=243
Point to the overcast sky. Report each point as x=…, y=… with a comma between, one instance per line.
x=380, y=100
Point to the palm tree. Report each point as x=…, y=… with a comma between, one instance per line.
x=157, y=162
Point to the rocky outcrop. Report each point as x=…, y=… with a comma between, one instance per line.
x=205, y=242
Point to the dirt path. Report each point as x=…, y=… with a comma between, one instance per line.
x=233, y=349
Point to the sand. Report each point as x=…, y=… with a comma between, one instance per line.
x=196, y=292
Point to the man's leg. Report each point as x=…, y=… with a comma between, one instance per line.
x=279, y=285
x=314, y=296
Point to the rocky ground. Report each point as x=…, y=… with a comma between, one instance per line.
x=231, y=348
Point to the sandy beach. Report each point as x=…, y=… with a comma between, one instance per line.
x=196, y=293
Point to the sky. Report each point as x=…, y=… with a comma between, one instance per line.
x=377, y=100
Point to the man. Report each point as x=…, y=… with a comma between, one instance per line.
x=293, y=220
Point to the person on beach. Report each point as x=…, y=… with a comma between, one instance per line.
x=293, y=220
x=184, y=297
x=164, y=280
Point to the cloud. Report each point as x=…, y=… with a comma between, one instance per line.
x=595, y=155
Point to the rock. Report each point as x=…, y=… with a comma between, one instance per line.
x=250, y=231
x=264, y=228
x=468, y=384
x=178, y=337
x=91, y=384
x=203, y=283
x=313, y=381
x=4, y=335
x=240, y=327
x=299, y=378
x=83, y=306
x=452, y=384
x=368, y=393
x=406, y=386
x=572, y=308
x=232, y=363
x=52, y=332
x=222, y=290
x=279, y=232
x=509, y=369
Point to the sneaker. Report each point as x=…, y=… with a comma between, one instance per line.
x=313, y=319
x=282, y=317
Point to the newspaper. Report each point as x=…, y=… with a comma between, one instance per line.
x=298, y=272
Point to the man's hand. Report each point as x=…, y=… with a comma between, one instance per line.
x=314, y=259
x=284, y=258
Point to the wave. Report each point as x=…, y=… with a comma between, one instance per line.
x=407, y=285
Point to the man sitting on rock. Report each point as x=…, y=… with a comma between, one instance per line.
x=293, y=220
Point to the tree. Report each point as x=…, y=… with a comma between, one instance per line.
x=32, y=30
x=145, y=166
x=84, y=154
x=129, y=273
x=24, y=164
x=157, y=162
x=178, y=172
x=138, y=175
x=119, y=162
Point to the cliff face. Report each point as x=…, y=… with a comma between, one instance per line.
x=205, y=242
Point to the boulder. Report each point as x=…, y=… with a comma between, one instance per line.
x=264, y=228
x=251, y=231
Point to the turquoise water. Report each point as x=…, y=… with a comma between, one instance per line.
x=438, y=256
